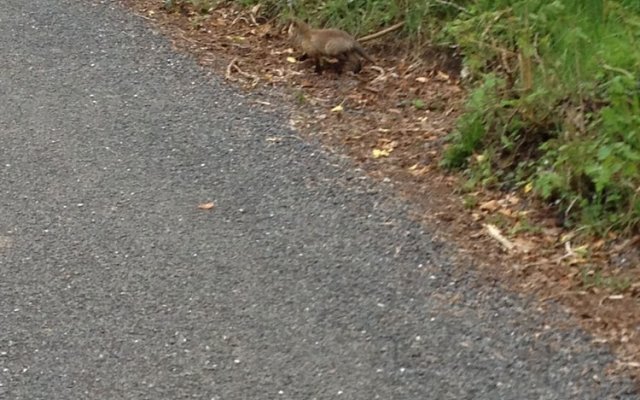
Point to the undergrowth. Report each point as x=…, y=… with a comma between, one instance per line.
x=554, y=104
x=555, y=108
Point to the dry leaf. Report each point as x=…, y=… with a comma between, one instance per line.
x=513, y=200
x=419, y=172
x=506, y=212
x=421, y=79
x=206, y=206
x=491, y=206
x=524, y=245
x=377, y=153
x=528, y=187
x=337, y=108
x=292, y=60
x=236, y=38
x=443, y=76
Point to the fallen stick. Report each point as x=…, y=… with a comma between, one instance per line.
x=382, y=32
x=229, y=67
x=381, y=75
x=494, y=232
x=233, y=65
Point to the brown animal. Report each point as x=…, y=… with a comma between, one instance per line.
x=319, y=44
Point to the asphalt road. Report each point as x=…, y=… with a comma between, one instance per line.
x=306, y=281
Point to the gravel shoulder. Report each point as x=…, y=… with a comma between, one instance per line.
x=306, y=280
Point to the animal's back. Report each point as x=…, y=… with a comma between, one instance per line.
x=331, y=42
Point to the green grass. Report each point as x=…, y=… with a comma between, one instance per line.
x=356, y=16
x=595, y=279
x=554, y=101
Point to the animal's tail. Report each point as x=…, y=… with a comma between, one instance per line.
x=358, y=49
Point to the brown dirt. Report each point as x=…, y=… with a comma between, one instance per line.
x=376, y=119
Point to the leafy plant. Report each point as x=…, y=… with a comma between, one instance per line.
x=556, y=100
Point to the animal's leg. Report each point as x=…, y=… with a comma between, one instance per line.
x=357, y=65
x=318, y=65
x=339, y=65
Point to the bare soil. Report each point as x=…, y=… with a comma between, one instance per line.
x=393, y=120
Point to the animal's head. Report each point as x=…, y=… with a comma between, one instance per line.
x=295, y=27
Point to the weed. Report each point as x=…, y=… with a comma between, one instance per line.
x=470, y=201
x=595, y=279
x=418, y=104
x=560, y=106
x=525, y=226
x=300, y=96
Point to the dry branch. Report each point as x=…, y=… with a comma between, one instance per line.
x=233, y=65
x=494, y=232
x=382, y=32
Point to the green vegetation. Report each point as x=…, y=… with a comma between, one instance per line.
x=596, y=279
x=554, y=103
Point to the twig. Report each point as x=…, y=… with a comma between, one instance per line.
x=448, y=3
x=381, y=75
x=494, y=232
x=566, y=212
x=240, y=18
x=227, y=75
x=253, y=19
x=561, y=294
x=143, y=16
x=382, y=32
x=610, y=297
x=411, y=67
x=618, y=70
x=233, y=65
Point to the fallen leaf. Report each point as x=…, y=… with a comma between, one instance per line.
x=292, y=60
x=443, y=76
x=491, y=206
x=528, y=187
x=513, y=200
x=337, y=108
x=377, y=153
x=421, y=79
x=581, y=250
x=419, y=172
x=206, y=206
x=524, y=245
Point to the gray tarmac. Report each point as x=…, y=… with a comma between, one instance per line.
x=306, y=281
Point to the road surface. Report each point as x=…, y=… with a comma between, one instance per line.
x=306, y=281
